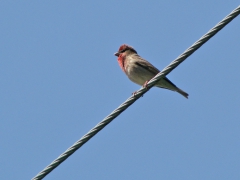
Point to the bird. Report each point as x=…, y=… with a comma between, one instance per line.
x=140, y=71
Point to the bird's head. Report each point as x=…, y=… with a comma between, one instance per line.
x=125, y=49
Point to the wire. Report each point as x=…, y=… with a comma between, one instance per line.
x=137, y=95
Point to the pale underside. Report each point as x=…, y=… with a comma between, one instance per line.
x=139, y=71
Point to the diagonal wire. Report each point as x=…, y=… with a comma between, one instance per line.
x=138, y=94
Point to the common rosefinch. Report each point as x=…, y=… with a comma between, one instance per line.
x=141, y=71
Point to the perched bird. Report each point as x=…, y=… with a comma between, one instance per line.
x=140, y=71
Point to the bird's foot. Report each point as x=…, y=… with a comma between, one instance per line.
x=134, y=93
x=145, y=85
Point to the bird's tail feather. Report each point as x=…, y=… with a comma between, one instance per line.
x=182, y=93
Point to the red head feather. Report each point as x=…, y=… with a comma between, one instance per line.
x=122, y=56
x=125, y=47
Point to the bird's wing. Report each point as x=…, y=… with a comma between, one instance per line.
x=147, y=65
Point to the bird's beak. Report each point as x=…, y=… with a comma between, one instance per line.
x=116, y=54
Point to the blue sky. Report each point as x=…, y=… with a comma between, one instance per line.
x=59, y=78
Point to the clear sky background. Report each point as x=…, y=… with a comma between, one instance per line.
x=59, y=78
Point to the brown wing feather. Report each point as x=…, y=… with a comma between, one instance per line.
x=147, y=65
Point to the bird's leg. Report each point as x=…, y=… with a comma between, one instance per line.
x=145, y=85
x=134, y=93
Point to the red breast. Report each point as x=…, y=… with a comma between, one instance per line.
x=121, y=61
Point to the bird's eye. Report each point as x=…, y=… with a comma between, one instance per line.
x=122, y=51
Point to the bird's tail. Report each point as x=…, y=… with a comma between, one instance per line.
x=182, y=93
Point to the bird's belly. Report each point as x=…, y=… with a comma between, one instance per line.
x=139, y=76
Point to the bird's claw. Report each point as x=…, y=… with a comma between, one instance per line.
x=145, y=85
x=134, y=93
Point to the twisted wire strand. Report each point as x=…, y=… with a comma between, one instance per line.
x=137, y=95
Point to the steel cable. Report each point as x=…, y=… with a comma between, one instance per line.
x=137, y=95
